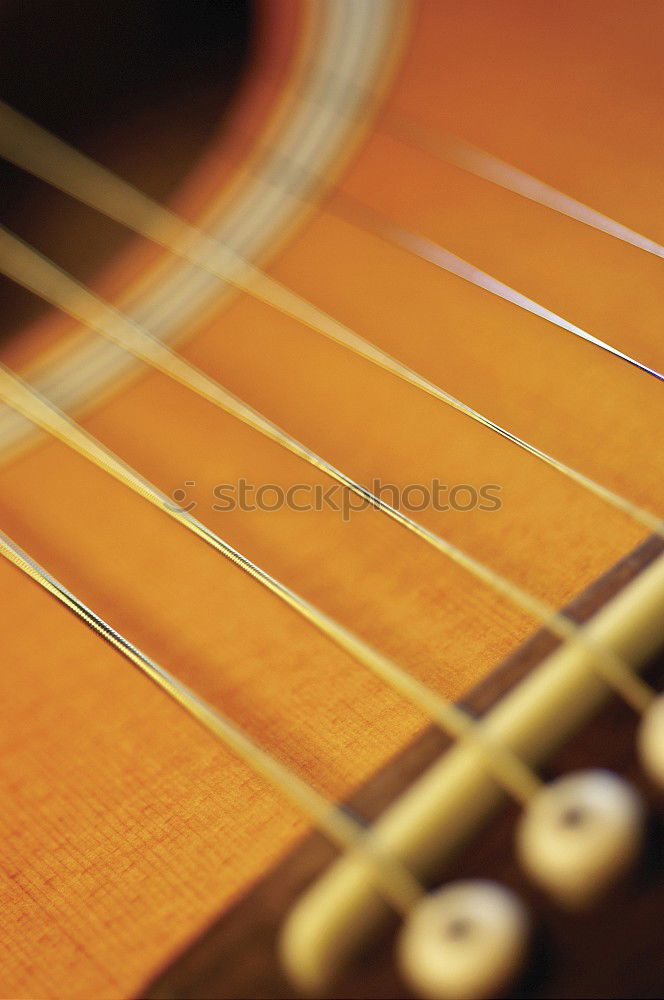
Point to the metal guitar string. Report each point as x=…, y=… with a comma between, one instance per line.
x=635, y=694
x=33, y=149
x=161, y=225
x=39, y=274
x=352, y=210
x=366, y=218
x=509, y=770
x=398, y=885
x=348, y=837
x=463, y=154
x=454, y=149
x=35, y=272
x=412, y=132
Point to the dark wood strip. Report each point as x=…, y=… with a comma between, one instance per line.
x=614, y=951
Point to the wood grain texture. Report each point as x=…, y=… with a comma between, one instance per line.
x=123, y=829
x=613, y=951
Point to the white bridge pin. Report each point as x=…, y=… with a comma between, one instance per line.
x=579, y=834
x=651, y=740
x=465, y=941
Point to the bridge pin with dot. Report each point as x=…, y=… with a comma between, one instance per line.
x=579, y=834
x=465, y=941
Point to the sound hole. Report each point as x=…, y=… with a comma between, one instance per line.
x=141, y=85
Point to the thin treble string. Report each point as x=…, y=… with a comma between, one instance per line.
x=509, y=770
x=358, y=213
x=396, y=882
x=40, y=275
x=484, y=165
x=479, y=162
x=58, y=163
x=33, y=149
x=366, y=218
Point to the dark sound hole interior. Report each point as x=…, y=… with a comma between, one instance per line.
x=142, y=85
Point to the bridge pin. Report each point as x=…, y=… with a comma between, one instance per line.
x=465, y=941
x=579, y=834
x=650, y=740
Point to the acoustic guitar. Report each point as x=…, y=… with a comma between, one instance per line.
x=331, y=491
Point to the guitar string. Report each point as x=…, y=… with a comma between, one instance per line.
x=396, y=882
x=364, y=217
x=419, y=246
x=464, y=155
x=411, y=131
x=445, y=145
x=166, y=221
x=429, y=699
x=33, y=149
x=508, y=769
x=24, y=265
x=487, y=167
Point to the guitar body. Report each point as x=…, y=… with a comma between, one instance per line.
x=124, y=828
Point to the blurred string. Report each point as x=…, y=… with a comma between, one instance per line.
x=28, y=145
x=445, y=146
x=80, y=177
x=32, y=148
x=392, y=878
x=473, y=160
x=509, y=770
x=26, y=266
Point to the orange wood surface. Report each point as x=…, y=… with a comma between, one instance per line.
x=123, y=827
